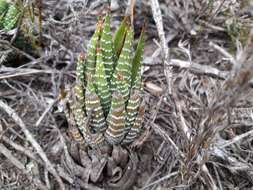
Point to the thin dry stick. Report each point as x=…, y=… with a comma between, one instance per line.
x=197, y=68
x=4, y=42
x=223, y=52
x=130, y=10
x=211, y=26
x=32, y=156
x=157, y=15
x=5, y=151
x=33, y=142
x=29, y=154
x=160, y=180
x=167, y=138
x=22, y=72
x=45, y=112
x=235, y=139
x=20, y=148
x=217, y=177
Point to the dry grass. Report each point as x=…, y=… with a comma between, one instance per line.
x=197, y=73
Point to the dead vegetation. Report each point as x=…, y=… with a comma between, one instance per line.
x=197, y=71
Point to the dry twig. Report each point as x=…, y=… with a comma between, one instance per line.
x=7, y=153
x=157, y=16
x=33, y=142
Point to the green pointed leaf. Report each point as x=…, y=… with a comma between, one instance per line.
x=3, y=6
x=80, y=68
x=135, y=130
x=119, y=36
x=73, y=130
x=79, y=97
x=76, y=135
x=3, y=10
x=116, y=120
x=106, y=45
x=136, y=63
x=76, y=116
x=79, y=114
x=80, y=73
x=11, y=17
x=93, y=105
x=102, y=86
x=91, y=53
x=122, y=75
x=132, y=108
x=97, y=141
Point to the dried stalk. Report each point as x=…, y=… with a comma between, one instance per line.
x=7, y=153
x=33, y=142
x=157, y=16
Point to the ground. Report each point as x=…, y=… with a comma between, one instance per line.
x=197, y=71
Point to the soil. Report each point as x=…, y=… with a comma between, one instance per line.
x=197, y=130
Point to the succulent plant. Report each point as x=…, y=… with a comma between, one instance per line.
x=3, y=9
x=107, y=104
x=17, y=13
x=9, y=15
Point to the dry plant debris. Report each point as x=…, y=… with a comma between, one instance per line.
x=197, y=84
